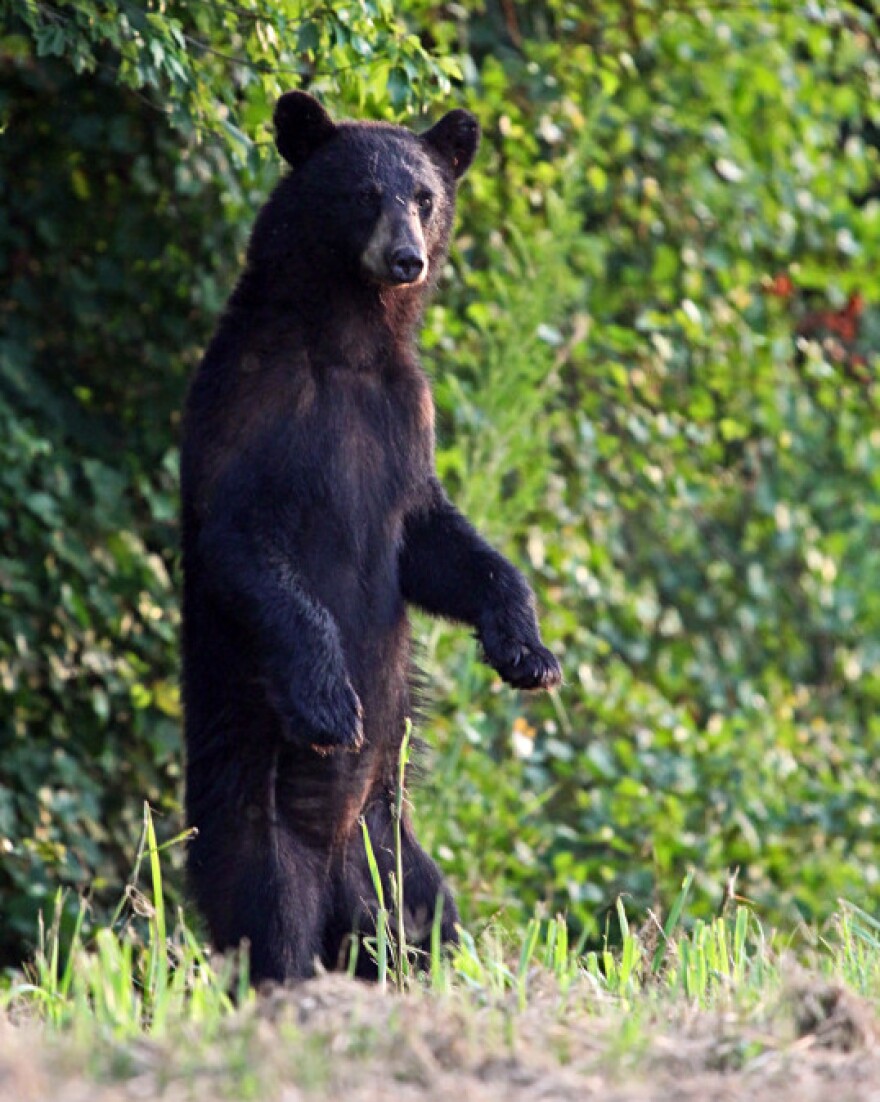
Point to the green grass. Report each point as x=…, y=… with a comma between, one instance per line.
x=93, y=998
x=145, y=973
x=526, y=1002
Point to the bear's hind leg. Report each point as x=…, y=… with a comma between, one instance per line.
x=356, y=903
x=281, y=907
x=263, y=886
x=426, y=898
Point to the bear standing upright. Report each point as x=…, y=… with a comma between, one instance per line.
x=312, y=516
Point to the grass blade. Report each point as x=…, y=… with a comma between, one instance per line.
x=672, y=922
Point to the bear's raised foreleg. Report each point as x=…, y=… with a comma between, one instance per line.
x=307, y=682
x=448, y=569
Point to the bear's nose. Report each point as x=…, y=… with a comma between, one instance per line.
x=406, y=265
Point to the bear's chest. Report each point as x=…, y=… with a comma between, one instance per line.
x=364, y=454
x=376, y=442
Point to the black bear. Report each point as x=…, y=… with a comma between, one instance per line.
x=312, y=516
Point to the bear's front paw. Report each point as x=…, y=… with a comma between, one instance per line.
x=328, y=717
x=522, y=664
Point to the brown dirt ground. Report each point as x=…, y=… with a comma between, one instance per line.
x=332, y=1039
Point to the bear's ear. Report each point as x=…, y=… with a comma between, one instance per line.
x=301, y=125
x=455, y=137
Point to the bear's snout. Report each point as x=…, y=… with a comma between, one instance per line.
x=406, y=264
x=396, y=253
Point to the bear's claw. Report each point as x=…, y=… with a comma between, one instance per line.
x=535, y=668
x=526, y=665
x=328, y=720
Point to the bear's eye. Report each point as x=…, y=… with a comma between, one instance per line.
x=368, y=196
x=425, y=203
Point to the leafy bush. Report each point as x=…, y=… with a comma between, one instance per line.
x=702, y=530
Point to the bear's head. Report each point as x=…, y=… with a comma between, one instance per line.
x=372, y=200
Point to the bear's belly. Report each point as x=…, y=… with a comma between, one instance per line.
x=351, y=570
x=353, y=575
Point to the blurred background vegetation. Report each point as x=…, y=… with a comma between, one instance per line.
x=655, y=354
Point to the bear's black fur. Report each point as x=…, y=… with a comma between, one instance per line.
x=311, y=517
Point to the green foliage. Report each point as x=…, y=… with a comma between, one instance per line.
x=700, y=518
x=212, y=66
x=624, y=404
x=88, y=631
